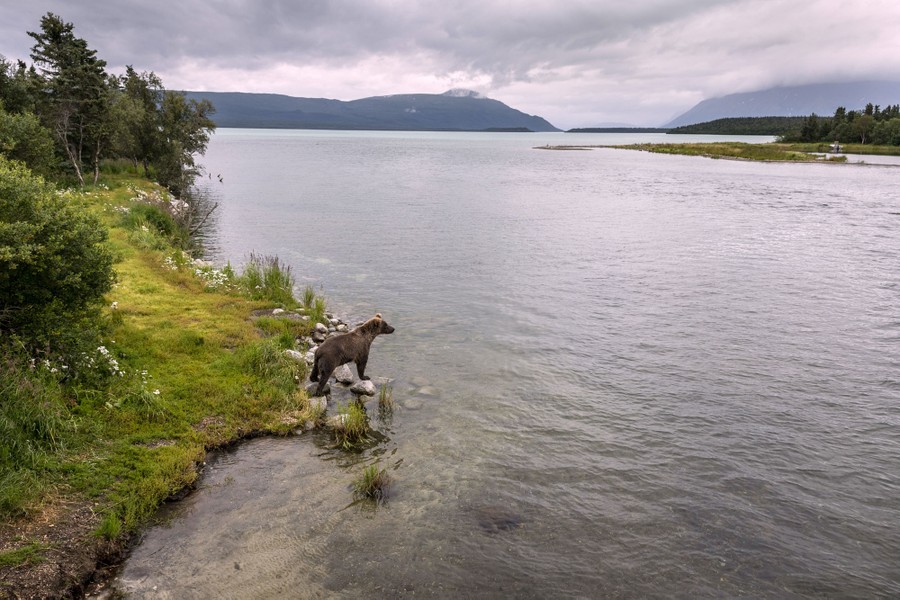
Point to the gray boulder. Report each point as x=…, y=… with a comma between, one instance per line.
x=363, y=387
x=344, y=375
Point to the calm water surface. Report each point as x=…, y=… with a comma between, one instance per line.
x=618, y=374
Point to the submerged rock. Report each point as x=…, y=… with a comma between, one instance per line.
x=494, y=519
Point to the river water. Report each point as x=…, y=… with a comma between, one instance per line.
x=617, y=374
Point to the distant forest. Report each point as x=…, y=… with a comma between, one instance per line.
x=743, y=126
x=871, y=125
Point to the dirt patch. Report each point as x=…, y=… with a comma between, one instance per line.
x=69, y=555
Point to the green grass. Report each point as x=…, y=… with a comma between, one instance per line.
x=372, y=484
x=351, y=427
x=192, y=371
x=386, y=397
x=732, y=150
x=30, y=554
x=266, y=278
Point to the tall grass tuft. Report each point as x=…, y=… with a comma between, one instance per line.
x=34, y=424
x=309, y=296
x=351, y=426
x=386, y=397
x=266, y=278
x=372, y=484
x=317, y=312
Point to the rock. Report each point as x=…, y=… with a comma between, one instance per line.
x=363, y=387
x=312, y=386
x=337, y=420
x=344, y=375
x=318, y=337
x=334, y=322
x=341, y=328
x=318, y=403
x=294, y=355
x=311, y=355
x=320, y=328
x=332, y=329
x=277, y=311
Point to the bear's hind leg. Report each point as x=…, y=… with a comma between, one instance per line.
x=314, y=375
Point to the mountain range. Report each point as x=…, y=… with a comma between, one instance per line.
x=455, y=110
x=792, y=101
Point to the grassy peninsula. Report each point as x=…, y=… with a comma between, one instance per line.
x=187, y=359
x=771, y=152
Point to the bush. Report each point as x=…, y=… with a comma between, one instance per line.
x=54, y=264
x=23, y=138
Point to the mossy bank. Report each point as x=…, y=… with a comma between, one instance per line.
x=180, y=368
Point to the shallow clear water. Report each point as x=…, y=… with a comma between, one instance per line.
x=618, y=374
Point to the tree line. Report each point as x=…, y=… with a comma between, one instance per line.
x=64, y=114
x=871, y=125
x=742, y=126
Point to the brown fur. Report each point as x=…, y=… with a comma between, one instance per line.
x=349, y=347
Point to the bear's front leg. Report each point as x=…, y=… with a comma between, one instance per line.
x=361, y=367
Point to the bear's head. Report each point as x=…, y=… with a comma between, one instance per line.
x=377, y=325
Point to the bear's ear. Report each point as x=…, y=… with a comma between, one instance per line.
x=377, y=315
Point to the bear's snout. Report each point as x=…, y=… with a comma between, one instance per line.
x=387, y=329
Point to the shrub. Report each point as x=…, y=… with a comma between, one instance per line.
x=54, y=265
x=23, y=138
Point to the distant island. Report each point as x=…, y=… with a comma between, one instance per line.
x=454, y=110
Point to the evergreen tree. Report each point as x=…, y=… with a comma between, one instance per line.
x=74, y=100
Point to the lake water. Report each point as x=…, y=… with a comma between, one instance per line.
x=617, y=374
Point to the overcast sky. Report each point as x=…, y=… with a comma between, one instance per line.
x=575, y=63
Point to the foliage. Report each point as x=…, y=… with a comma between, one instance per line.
x=54, y=265
x=23, y=138
x=74, y=101
x=742, y=126
x=267, y=278
x=91, y=115
x=871, y=125
x=185, y=125
x=372, y=484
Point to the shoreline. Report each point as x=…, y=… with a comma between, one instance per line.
x=203, y=370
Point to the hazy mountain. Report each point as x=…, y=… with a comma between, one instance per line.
x=793, y=101
x=455, y=110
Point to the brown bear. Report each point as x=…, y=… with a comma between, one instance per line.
x=349, y=347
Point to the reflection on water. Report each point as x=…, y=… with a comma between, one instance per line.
x=616, y=374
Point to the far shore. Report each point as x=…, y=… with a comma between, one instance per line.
x=769, y=152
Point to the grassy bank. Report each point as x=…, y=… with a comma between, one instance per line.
x=181, y=368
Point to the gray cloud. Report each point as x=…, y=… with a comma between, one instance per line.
x=577, y=63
